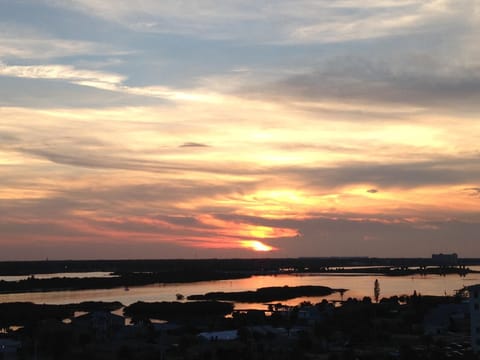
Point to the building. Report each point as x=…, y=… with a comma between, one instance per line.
x=100, y=325
x=219, y=335
x=446, y=317
x=310, y=314
x=474, y=305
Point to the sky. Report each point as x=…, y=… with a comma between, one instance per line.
x=239, y=128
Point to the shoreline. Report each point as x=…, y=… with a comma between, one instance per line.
x=132, y=280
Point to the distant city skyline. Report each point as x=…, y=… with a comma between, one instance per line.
x=203, y=129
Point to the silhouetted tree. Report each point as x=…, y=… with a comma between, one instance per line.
x=376, y=290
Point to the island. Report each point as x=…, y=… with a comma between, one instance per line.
x=267, y=294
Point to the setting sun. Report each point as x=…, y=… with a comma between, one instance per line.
x=256, y=245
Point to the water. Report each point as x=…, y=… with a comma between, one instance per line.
x=358, y=286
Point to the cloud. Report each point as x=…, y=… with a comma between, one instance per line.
x=341, y=237
x=55, y=94
x=24, y=39
x=304, y=21
x=126, y=212
x=411, y=174
x=320, y=236
x=413, y=66
x=7, y=137
x=97, y=248
x=43, y=48
x=103, y=207
x=97, y=79
x=193, y=144
x=474, y=191
x=89, y=81
x=440, y=170
x=350, y=122
x=419, y=82
x=338, y=234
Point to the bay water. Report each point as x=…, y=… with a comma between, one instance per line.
x=357, y=286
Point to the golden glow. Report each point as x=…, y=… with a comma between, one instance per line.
x=125, y=171
x=261, y=232
x=243, y=230
x=256, y=245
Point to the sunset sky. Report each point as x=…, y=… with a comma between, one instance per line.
x=199, y=129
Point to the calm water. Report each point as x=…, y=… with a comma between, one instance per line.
x=358, y=287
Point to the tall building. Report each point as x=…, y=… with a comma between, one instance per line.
x=474, y=294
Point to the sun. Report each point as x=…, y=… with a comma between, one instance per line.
x=256, y=245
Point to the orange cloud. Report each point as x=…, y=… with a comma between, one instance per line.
x=249, y=235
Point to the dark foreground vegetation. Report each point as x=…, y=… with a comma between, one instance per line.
x=26, y=313
x=178, y=311
x=398, y=328
x=268, y=294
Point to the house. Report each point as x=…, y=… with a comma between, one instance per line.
x=99, y=325
x=310, y=314
x=445, y=317
x=264, y=330
x=219, y=335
